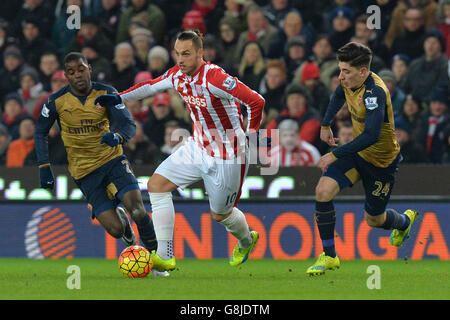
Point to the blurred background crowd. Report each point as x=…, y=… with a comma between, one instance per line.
x=283, y=49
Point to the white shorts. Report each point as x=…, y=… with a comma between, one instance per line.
x=222, y=178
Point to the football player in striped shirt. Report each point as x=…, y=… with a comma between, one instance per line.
x=217, y=153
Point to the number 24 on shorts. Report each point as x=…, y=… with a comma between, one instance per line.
x=380, y=189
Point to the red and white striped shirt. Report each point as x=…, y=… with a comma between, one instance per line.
x=213, y=99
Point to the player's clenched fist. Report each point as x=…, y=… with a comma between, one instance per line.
x=326, y=135
x=108, y=100
x=46, y=178
x=111, y=139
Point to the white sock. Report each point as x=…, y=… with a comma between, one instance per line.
x=163, y=215
x=236, y=224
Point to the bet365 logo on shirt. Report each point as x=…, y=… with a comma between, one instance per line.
x=195, y=101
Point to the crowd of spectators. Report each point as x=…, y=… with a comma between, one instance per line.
x=283, y=49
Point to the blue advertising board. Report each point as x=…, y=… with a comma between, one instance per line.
x=287, y=231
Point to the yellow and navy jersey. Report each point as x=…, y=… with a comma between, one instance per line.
x=82, y=125
x=372, y=117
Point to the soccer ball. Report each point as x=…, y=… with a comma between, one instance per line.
x=135, y=262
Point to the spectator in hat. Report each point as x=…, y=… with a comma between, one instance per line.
x=429, y=70
x=412, y=151
x=10, y=73
x=142, y=41
x=397, y=25
x=324, y=56
x=109, y=17
x=155, y=20
x=61, y=36
x=19, y=149
x=39, y=10
x=295, y=54
x=410, y=41
x=48, y=64
x=342, y=27
x=158, y=60
x=444, y=23
x=293, y=26
x=320, y=94
x=123, y=68
x=192, y=20
x=438, y=119
x=229, y=28
x=5, y=140
x=57, y=81
x=258, y=29
x=328, y=11
x=31, y=89
x=297, y=107
x=399, y=67
x=33, y=44
x=253, y=65
x=101, y=67
x=397, y=95
x=159, y=114
x=13, y=113
x=276, y=12
x=90, y=32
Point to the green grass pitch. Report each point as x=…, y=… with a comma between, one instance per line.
x=194, y=279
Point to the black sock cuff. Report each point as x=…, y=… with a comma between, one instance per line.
x=324, y=206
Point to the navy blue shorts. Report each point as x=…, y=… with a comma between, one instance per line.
x=104, y=187
x=377, y=182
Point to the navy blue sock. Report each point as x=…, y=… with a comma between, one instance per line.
x=326, y=220
x=395, y=220
x=147, y=233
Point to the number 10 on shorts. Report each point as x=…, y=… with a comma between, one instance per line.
x=231, y=198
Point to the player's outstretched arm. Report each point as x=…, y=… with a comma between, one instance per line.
x=45, y=122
